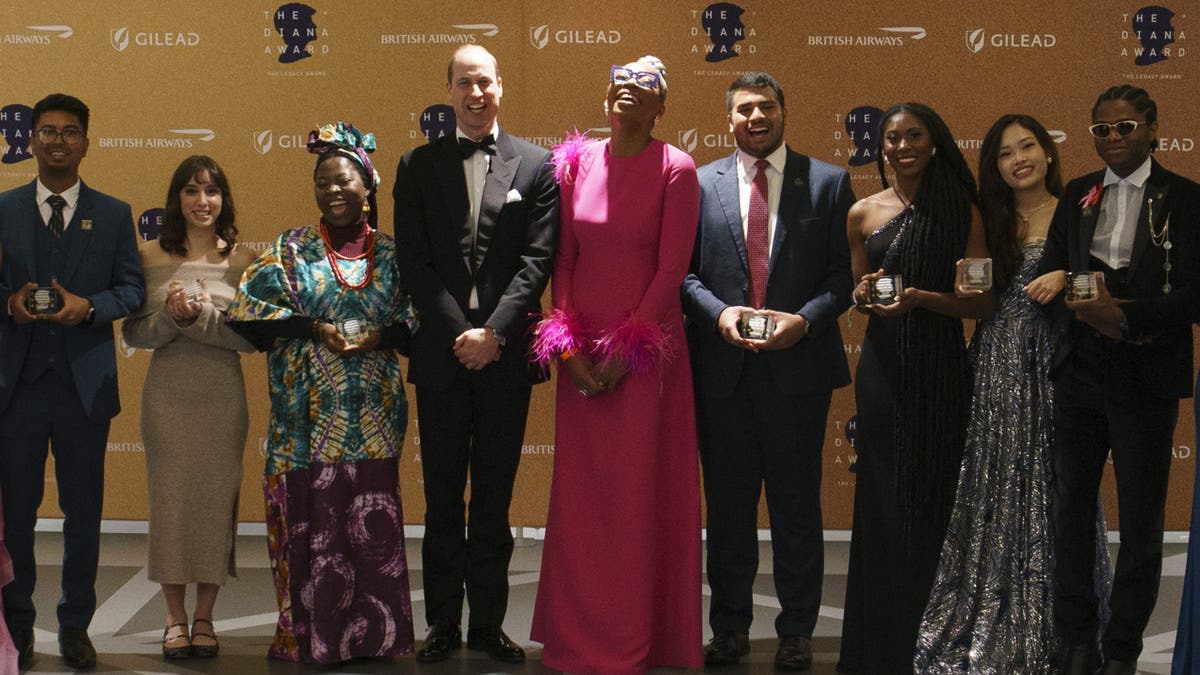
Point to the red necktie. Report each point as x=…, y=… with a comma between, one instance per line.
x=757, y=253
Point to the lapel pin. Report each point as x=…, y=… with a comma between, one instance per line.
x=86, y=224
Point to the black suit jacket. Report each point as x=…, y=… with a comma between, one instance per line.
x=102, y=265
x=809, y=274
x=1164, y=364
x=513, y=256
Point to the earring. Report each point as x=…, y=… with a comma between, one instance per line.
x=606, y=108
x=933, y=152
x=366, y=207
x=1049, y=160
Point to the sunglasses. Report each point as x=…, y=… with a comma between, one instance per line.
x=620, y=75
x=1104, y=129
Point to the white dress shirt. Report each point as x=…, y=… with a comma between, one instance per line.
x=475, y=170
x=746, y=172
x=71, y=194
x=1116, y=224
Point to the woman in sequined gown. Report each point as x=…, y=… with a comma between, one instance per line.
x=991, y=607
x=912, y=383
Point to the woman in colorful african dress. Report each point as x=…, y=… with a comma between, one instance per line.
x=323, y=302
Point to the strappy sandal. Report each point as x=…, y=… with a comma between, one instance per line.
x=205, y=651
x=179, y=651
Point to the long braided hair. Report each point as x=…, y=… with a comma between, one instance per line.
x=997, y=201
x=933, y=395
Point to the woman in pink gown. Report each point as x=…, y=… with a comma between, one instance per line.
x=8, y=652
x=620, y=582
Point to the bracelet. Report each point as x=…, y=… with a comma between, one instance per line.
x=566, y=354
x=317, y=333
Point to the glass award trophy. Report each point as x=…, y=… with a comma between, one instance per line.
x=886, y=289
x=975, y=274
x=756, y=325
x=42, y=300
x=194, y=291
x=1081, y=285
x=352, y=329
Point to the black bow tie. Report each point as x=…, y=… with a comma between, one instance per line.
x=467, y=147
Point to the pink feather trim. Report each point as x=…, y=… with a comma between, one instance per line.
x=644, y=346
x=565, y=156
x=556, y=333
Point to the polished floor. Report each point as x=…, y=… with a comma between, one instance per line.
x=128, y=623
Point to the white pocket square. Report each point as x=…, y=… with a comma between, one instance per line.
x=512, y=196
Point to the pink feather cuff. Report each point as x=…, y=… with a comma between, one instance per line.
x=556, y=333
x=644, y=346
x=565, y=156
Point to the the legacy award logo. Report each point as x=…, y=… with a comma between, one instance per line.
x=722, y=25
x=296, y=28
x=16, y=123
x=1152, y=27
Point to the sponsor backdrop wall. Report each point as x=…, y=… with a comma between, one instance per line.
x=244, y=82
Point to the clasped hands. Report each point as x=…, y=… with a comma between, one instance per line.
x=182, y=309
x=789, y=329
x=73, y=311
x=594, y=378
x=908, y=300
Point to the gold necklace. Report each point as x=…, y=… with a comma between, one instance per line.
x=1024, y=215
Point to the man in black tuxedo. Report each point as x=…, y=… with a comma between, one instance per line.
x=772, y=239
x=58, y=379
x=475, y=223
x=1123, y=361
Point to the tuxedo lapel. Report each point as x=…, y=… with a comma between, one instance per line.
x=727, y=193
x=448, y=170
x=79, y=234
x=495, y=192
x=1154, y=204
x=1088, y=216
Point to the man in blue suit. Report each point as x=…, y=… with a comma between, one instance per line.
x=58, y=383
x=772, y=241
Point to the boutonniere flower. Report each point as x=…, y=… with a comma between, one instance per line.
x=1092, y=198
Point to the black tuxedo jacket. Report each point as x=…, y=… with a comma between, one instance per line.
x=809, y=274
x=512, y=257
x=1164, y=364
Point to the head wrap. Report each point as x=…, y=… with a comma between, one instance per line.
x=344, y=139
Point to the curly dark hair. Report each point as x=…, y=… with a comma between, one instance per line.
x=997, y=202
x=173, y=235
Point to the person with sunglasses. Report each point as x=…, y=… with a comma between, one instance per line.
x=1122, y=362
x=620, y=584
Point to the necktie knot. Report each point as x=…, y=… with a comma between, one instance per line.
x=761, y=165
x=56, y=223
x=467, y=147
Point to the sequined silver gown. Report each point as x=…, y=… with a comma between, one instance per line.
x=991, y=607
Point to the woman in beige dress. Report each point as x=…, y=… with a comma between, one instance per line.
x=194, y=418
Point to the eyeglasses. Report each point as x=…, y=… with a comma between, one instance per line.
x=620, y=75
x=1104, y=129
x=50, y=134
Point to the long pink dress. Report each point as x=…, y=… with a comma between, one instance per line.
x=8, y=652
x=620, y=582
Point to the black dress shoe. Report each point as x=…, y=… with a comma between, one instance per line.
x=23, y=640
x=726, y=648
x=76, y=648
x=1115, y=667
x=496, y=644
x=794, y=653
x=1081, y=660
x=441, y=641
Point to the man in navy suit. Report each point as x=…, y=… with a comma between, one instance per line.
x=476, y=222
x=58, y=383
x=772, y=241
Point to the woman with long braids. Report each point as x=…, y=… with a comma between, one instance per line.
x=913, y=383
x=323, y=301
x=991, y=608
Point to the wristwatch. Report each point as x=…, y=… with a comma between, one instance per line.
x=91, y=314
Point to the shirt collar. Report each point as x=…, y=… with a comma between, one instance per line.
x=71, y=194
x=495, y=132
x=1137, y=178
x=777, y=159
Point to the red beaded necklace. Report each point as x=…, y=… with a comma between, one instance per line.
x=334, y=256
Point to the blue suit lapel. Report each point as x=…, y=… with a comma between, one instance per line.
x=79, y=234
x=727, y=193
x=26, y=234
x=794, y=199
